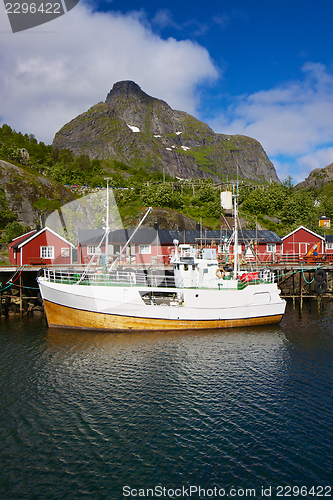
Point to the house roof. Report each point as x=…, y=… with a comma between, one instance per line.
x=30, y=237
x=166, y=237
x=89, y=236
x=195, y=236
x=21, y=239
x=305, y=229
x=94, y=236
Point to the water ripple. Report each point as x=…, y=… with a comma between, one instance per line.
x=86, y=413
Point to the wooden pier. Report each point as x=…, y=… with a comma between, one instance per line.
x=297, y=282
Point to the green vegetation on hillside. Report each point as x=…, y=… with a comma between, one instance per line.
x=279, y=207
x=291, y=205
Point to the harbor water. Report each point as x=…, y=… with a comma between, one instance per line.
x=239, y=413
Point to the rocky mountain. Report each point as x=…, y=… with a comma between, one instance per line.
x=28, y=195
x=142, y=131
x=318, y=177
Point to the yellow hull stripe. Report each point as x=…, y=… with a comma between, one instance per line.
x=66, y=317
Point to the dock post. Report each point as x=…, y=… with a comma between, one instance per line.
x=21, y=308
x=293, y=283
x=301, y=293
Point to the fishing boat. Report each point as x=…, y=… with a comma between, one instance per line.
x=199, y=293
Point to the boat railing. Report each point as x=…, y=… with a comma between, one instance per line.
x=127, y=278
x=267, y=276
x=184, y=253
x=253, y=278
x=141, y=278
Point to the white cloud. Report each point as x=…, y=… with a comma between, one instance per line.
x=317, y=159
x=321, y=157
x=163, y=18
x=52, y=73
x=294, y=120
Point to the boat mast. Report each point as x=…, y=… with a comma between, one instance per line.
x=130, y=239
x=235, y=196
x=105, y=236
x=107, y=229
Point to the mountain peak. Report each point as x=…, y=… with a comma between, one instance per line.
x=143, y=131
x=126, y=88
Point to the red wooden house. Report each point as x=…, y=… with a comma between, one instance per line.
x=40, y=247
x=299, y=242
x=145, y=247
x=150, y=246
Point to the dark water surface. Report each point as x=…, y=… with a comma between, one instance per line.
x=84, y=414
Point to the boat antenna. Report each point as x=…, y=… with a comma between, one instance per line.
x=130, y=239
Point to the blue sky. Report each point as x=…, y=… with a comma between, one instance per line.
x=260, y=68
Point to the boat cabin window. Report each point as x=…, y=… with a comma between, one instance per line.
x=193, y=267
x=185, y=267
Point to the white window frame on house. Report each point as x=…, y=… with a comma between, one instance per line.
x=144, y=249
x=329, y=246
x=47, y=252
x=271, y=248
x=91, y=249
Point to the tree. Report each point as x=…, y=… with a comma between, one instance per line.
x=299, y=208
x=256, y=202
x=206, y=193
x=275, y=196
x=161, y=195
x=214, y=209
x=326, y=206
x=13, y=230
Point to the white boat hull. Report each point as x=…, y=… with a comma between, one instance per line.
x=122, y=307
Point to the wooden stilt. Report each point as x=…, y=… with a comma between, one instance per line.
x=21, y=308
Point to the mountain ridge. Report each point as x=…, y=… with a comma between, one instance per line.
x=318, y=177
x=143, y=131
x=29, y=195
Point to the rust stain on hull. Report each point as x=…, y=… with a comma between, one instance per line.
x=59, y=316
